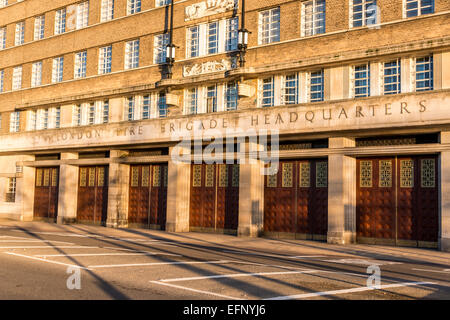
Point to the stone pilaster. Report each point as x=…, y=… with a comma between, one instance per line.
x=118, y=192
x=178, y=191
x=444, y=168
x=25, y=187
x=251, y=195
x=341, y=194
x=68, y=190
x=441, y=76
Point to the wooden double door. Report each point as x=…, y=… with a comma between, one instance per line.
x=296, y=199
x=92, y=201
x=46, y=193
x=214, y=198
x=148, y=195
x=397, y=200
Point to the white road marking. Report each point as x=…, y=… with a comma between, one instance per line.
x=49, y=247
x=106, y=254
x=363, y=262
x=195, y=290
x=158, y=264
x=238, y=275
x=20, y=240
x=343, y=291
x=305, y=257
x=429, y=270
x=44, y=260
x=269, y=255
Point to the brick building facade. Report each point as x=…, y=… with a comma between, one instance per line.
x=356, y=90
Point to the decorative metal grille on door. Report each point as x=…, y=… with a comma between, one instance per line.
x=148, y=201
x=214, y=199
x=296, y=198
x=401, y=205
x=92, y=194
x=46, y=193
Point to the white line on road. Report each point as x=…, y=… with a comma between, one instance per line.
x=237, y=275
x=195, y=290
x=20, y=240
x=429, y=270
x=158, y=264
x=107, y=254
x=269, y=255
x=49, y=247
x=44, y=260
x=343, y=291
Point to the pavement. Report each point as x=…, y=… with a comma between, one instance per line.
x=48, y=261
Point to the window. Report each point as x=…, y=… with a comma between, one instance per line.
x=32, y=120
x=11, y=195
x=313, y=17
x=231, y=96
x=193, y=42
x=392, y=77
x=105, y=111
x=2, y=38
x=361, y=80
x=60, y=21
x=213, y=37
x=132, y=54
x=133, y=6
x=162, y=106
x=267, y=92
x=57, y=70
x=80, y=65
x=363, y=12
x=316, y=86
x=161, y=3
x=39, y=27
x=211, y=98
x=424, y=73
x=289, y=94
x=3, y=3
x=76, y=115
x=104, y=60
x=57, y=117
x=42, y=119
x=20, y=33
x=107, y=10
x=159, y=52
x=2, y=77
x=36, y=74
x=82, y=14
x=231, y=40
x=91, y=113
x=17, y=78
x=414, y=8
x=145, y=111
x=269, y=26
x=130, y=108
x=191, y=101
x=14, y=122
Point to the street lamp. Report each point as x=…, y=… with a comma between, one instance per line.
x=242, y=38
x=170, y=58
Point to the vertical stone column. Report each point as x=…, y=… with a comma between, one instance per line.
x=335, y=88
x=118, y=191
x=375, y=78
x=444, y=197
x=68, y=190
x=341, y=194
x=178, y=191
x=25, y=190
x=406, y=80
x=441, y=75
x=251, y=195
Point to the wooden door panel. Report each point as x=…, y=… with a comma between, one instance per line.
x=46, y=193
x=93, y=194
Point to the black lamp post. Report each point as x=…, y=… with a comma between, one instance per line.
x=242, y=38
x=170, y=49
